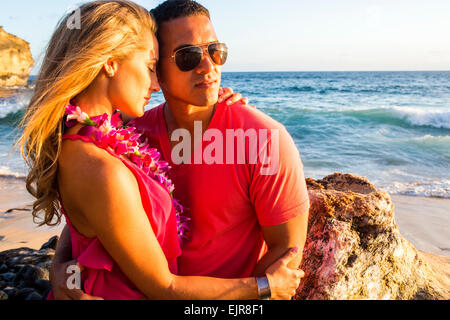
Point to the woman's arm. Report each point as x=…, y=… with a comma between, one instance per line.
x=107, y=194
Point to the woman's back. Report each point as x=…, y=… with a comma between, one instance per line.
x=85, y=167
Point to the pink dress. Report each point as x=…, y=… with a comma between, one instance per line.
x=102, y=276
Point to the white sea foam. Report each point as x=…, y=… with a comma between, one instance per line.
x=6, y=172
x=439, y=189
x=435, y=117
x=14, y=104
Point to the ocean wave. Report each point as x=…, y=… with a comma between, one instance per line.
x=429, y=139
x=6, y=173
x=413, y=116
x=437, y=189
x=300, y=89
x=13, y=108
x=392, y=89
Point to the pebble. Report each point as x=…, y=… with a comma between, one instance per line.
x=23, y=293
x=11, y=292
x=42, y=285
x=50, y=244
x=8, y=276
x=3, y=295
x=34, y=296
x=3, y=268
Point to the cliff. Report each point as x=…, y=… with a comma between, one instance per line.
x=15, y=60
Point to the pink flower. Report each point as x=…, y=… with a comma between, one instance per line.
x=77, y=114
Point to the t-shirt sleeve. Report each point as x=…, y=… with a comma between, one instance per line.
x=278, y=188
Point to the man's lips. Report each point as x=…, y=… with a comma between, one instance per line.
x=206, y=84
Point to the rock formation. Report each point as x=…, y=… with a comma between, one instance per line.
x=15, y=60
x=354, y=249
x=24, y=272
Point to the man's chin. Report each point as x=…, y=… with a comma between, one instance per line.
x=206, y=101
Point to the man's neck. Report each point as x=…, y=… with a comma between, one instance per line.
x=182, y=115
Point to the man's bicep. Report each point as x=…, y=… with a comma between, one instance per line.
x=282, y=195
x=289, y=234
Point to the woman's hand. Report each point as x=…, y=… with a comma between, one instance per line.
x=227, y=94
x=283, y=280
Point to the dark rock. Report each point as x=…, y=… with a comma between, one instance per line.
x=8, y=276
x=11, y=292
x=3, y=295
x=2, y=284
x=21, y=284
x=42, y=285
x=50, y=244
x=25, y=256
x=34, y=273
x=34, y=296
x=3, y=268
x=23, y=293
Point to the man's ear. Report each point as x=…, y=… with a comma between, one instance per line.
x=110, y=67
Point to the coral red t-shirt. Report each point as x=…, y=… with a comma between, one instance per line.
x=229, y=200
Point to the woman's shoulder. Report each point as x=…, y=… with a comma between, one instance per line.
x=85, y=163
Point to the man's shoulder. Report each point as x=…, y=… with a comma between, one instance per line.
x=250, y=118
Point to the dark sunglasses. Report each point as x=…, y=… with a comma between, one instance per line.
x=188, y=58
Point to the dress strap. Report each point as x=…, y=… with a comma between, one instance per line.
x=88, y=139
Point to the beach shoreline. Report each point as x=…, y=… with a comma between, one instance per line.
x=423, y=221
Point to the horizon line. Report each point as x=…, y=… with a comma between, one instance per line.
x=299, y=71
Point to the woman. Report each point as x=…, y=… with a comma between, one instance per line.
x=114, y=192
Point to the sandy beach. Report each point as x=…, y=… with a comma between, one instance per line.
x=422, y=221
x=16, y=222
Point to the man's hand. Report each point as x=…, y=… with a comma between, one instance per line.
x=59, y=279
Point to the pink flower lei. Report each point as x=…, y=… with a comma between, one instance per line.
x=124, y=140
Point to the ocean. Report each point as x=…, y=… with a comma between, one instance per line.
x=391, y=127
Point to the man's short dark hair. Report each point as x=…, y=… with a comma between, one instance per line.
x=173, y=9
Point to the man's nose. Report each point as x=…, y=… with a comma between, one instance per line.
x=206, y=65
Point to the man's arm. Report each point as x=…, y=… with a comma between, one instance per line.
x=279, y=239
x=280, y=200
x=58, y=275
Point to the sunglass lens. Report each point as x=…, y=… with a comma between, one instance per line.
x=188, y=58
x=218, y=53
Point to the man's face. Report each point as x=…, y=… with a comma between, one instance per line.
x=200, y=86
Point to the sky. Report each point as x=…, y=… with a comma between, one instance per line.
x=291, y=35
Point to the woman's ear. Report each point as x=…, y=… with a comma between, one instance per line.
x=110, y=67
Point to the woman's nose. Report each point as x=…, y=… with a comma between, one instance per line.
x=155, y=87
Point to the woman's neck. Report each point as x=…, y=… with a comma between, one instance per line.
x=94, y=102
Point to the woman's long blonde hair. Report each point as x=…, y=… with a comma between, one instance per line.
x=74, y=58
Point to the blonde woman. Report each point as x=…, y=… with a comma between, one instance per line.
x=113, y=190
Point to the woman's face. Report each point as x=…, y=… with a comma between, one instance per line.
x=135, y=80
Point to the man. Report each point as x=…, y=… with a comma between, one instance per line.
x=246, y=208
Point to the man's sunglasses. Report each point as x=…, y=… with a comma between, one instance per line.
x=188, y=58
